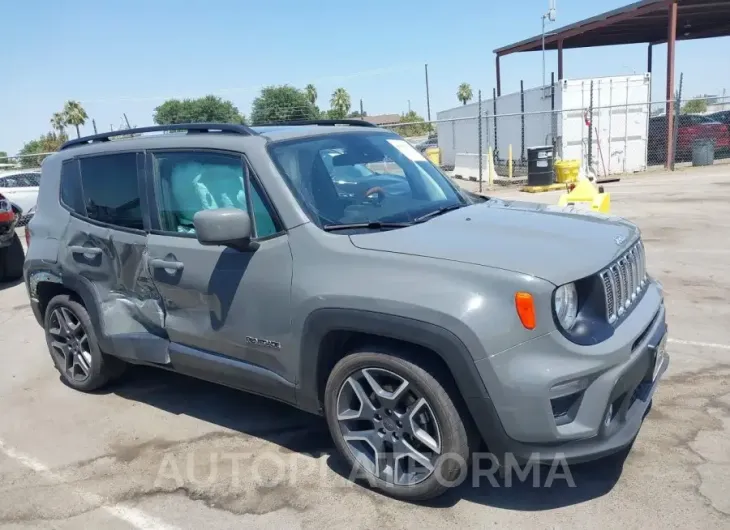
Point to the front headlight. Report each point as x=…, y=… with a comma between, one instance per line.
x=566, y=305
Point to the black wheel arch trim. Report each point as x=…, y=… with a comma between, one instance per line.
x=38, y=271
x=448, y=346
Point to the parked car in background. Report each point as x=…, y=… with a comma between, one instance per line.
x=431, y=142
x=721, y=117
x=11, y=250
x=21, y=188
x=690, y=127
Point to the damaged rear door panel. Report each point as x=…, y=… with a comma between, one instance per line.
x=106, y=255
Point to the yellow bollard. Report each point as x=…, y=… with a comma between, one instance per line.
x=509, y=161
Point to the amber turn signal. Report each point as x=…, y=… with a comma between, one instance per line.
x=525, y=306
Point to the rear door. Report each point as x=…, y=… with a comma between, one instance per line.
x=223, y=306
x=104, y=257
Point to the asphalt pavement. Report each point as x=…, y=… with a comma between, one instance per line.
x=162, y=451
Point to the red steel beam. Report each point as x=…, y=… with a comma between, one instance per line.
x=560, y=60
x=649, y=61
x=671, y=42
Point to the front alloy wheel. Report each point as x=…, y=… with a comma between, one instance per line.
x=389, y=426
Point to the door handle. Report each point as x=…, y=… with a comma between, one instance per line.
x=89, y=251
x=167, y=265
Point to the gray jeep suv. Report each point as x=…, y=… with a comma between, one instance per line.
x=419, y=323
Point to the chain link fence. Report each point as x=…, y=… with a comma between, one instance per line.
x=608, y=139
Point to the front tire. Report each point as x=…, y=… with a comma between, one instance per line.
x=74, y=348
x=396, y=425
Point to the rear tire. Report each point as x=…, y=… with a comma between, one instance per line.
x=11, y=261
x=396, y=425
x=74, y=348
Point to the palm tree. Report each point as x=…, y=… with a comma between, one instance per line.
x=464, y=93
x=311, y=92
x=58, y=122
x=340, y=102
x=75, y=115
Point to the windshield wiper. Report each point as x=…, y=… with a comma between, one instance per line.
x=372, y=225
x=438, y=212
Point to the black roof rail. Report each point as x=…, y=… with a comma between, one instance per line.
x=231, y=128
x=346, y=121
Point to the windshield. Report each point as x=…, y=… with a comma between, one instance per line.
x=349, y=178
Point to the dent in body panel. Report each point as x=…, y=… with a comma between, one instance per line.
x=129, y=301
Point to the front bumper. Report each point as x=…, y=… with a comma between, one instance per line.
x=618, y=382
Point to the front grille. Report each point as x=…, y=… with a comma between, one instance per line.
x=623, y=281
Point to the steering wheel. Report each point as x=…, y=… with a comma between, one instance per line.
x=375, y=195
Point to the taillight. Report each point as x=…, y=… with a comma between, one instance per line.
x=6, y=211
x=27, y=236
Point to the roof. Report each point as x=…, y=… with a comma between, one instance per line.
x=382, y=119
x=641, y=22
x=228, y=137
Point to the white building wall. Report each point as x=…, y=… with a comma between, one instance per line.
x=620, y=131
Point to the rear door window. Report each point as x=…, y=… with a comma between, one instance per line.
x=111, y=189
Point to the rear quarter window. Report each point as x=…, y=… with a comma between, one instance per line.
x=71, y=195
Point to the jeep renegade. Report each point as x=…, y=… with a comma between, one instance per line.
x=329, y=265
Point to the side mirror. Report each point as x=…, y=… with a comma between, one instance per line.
x=226, y=226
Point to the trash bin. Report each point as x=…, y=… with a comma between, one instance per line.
x=540, y=165
x=703, y=152
x=567, y=170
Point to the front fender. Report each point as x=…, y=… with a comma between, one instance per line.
x=438, y=339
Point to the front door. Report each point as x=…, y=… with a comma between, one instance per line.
x=225, y=305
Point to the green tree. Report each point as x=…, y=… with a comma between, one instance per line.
x=74, y=115
x=311, y=92
x=4, y=157
x=340, y=104
x=282, y=103
x=695, y=106
x=208, y=109
x=416, y=125
x=357, y=114
x=58, y=122
x=46, y=143
x=464, y=93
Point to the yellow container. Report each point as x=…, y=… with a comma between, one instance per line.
x=434, y=155
x=567, y=170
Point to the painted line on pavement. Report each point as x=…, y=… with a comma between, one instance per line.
x=701, y=344
x=133, y=516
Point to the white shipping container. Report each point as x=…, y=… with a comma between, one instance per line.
x=620, y=124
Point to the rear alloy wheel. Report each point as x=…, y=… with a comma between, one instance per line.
x=70, y=345
x=396, y=425
x=73, y=346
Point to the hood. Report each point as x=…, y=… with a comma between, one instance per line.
x=558, y=244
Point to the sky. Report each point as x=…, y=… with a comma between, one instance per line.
x=129, y=56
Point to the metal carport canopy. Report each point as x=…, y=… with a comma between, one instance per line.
x=648, y=21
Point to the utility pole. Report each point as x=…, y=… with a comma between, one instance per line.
x=409, y=106
x=362, y=113
x=126, y=120
x=550, y=15
x=428, y=97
